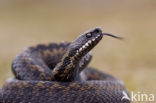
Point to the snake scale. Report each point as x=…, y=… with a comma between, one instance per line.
x=58, y=73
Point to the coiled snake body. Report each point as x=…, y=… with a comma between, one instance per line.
x=58, y=73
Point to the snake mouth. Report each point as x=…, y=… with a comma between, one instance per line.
x=89, y=44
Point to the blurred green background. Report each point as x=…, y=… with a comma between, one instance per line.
x=28, y=22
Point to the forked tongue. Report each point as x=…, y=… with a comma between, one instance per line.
x=111, y=35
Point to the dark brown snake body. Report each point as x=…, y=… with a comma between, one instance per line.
x=58, y=73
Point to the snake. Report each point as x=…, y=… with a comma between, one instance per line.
x=59, y=73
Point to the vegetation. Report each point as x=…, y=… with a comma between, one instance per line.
x=26, y=23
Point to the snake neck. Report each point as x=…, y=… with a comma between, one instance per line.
x=69, y=67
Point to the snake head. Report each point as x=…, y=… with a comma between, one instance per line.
x=85, y=42
x=77, y=55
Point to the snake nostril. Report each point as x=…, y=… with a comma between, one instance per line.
x=97, y=30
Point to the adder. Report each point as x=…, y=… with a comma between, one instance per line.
x=58, y=73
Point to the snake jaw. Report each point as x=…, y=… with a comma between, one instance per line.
x=88, y=45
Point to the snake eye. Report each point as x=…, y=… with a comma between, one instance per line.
x=88, y=35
